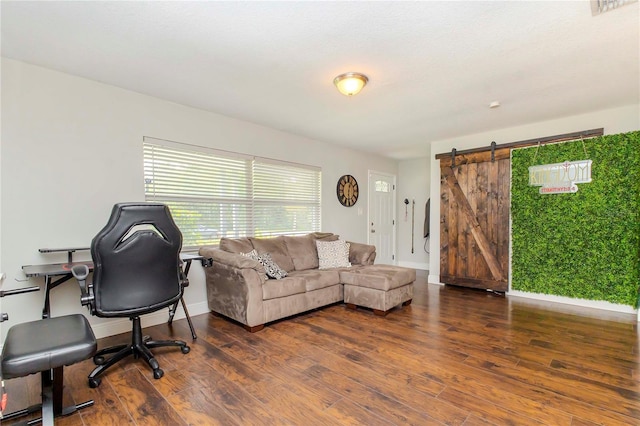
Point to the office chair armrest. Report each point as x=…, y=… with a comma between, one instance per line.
x=80, y=272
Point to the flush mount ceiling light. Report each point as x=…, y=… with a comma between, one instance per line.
x=350, y=83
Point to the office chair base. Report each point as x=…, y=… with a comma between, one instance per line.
x=140, y=347
x=51, y=405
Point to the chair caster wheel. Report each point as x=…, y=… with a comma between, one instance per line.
x=158, y=373
x=98, y=360
x=185, y=349
x=94, y=383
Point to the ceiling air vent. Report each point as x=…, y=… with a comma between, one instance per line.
x=601, y=6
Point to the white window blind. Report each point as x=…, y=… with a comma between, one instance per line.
x=286, y=199
x=214, y=194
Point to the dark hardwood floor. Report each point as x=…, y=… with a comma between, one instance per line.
x=454, y=356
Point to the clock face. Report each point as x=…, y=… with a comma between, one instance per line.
x=347, y=190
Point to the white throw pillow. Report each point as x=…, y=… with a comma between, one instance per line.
x=333, y=254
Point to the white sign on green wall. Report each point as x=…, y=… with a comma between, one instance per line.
x=560, y=178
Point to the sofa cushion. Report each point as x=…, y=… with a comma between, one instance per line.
x=361, y=254
x=316, y=279
x=303, y=252
x=273, y=289
x=379, y=277
x=333, y=254
x=236, y=245
x=277, y=248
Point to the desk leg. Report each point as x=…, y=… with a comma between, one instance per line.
x=172, y=309
x=48, y=286
x=46, y=310
x=186, y=313
x=172, y=312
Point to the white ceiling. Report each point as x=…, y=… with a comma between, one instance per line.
x=434, y=67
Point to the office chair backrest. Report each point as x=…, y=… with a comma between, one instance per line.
x=136, y=261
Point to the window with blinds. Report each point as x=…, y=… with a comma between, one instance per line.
x=214, y=194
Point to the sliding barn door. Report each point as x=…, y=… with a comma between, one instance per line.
x=474, y=216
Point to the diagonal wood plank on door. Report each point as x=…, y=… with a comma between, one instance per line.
x=472, y=220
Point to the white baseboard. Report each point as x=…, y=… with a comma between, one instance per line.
x=415, y=265
x=434, y=279
x=584, y=303
x=123, y=325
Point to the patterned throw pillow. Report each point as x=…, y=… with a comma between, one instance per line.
x=271, y=268
x=253, y=254
x=333, y=254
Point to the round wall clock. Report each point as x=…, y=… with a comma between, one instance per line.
x=347, y=190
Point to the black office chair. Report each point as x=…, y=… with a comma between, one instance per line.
x=45, y=346
x=137, y=270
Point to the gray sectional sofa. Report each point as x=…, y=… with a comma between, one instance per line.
x=238, y=288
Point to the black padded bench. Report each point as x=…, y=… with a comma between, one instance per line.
x=46, y=346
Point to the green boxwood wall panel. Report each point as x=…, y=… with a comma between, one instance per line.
x=583, y=245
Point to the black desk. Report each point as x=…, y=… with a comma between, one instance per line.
x=62, y=273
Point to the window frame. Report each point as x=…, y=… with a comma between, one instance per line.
x=279, y=198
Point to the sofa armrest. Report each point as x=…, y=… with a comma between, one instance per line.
x=233, y=260
x=234, y=286
x=361, y=254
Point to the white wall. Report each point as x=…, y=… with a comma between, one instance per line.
x=72, y=147
x=1, y=269
x=413, y=184
x=615, y=120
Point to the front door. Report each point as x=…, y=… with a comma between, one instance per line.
x=382, y=229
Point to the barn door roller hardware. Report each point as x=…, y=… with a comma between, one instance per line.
x=493, y=151
x=520, y=144
x=453, y=158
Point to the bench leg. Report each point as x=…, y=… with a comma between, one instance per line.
x=380, y=313
x=351, y=306
x=50, y=402
x=254, y=328
x=407, y=303
x=51, y=405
